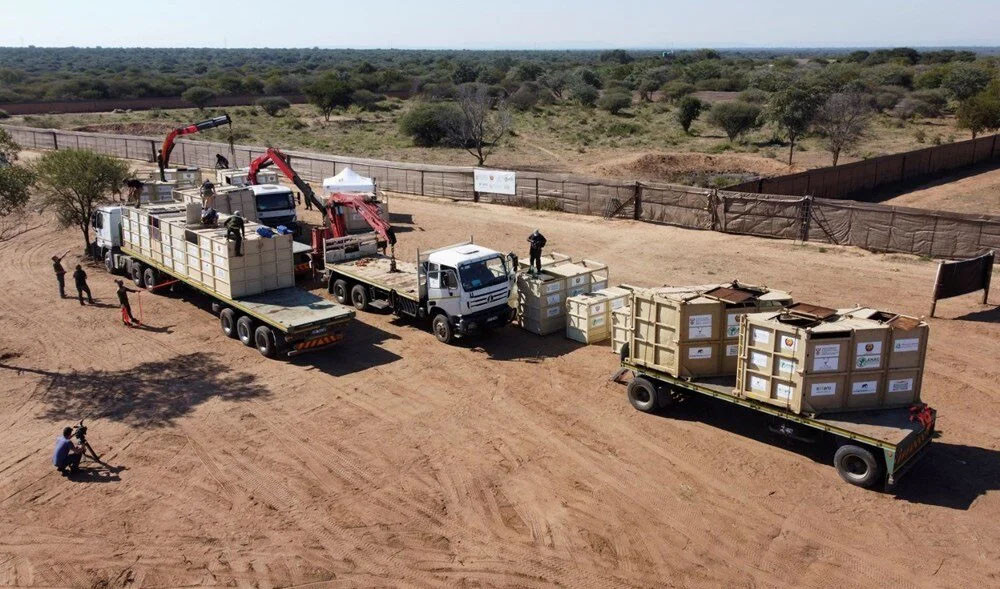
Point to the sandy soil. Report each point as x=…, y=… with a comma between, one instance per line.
x=975, y=191
x=510, y=461
x=659, y=165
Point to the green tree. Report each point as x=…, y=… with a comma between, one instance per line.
x=965, y=80
x=614, y=101
x=792, y=110
x=366, y=100
x=199, y=96
x=584, y=93
x=428, y=123
x=328, y=93
x=980, y=112
x=688, y=111
x=76, y=182
x=15, y=185
x=464, y=73
x=735, y=118
x=273, y=105
x=674, y=90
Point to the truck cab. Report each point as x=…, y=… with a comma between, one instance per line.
x=275, y=205
x=106, y=223
x=468, y=285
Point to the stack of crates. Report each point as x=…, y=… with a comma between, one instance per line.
x=238, y=177
x=588, y=315
x=157, y=192
x=183, y=176
x=541, y=299
x=227, y=200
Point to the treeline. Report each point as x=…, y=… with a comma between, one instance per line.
x=39, y=74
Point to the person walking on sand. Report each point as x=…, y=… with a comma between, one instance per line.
x=122, y=292
x=60, y=273
x=80, y=278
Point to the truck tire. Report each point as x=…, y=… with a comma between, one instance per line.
x=227, y=320
x=858, y=466
x=340, y=291
x=150, y=278
x=442, y=328
x=109, y=262
x=136, y=271
x=359, y=297
x=264, y=340
x=642, y=394
x=244, y=330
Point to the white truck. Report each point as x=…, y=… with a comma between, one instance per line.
x=460, y=288
x=280, y=320
x=275, y=205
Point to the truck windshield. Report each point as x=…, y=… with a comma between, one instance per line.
x=483, y=273
x=278, y=201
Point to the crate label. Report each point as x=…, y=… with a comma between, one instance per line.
x=618, y=303
x=758, y=384
x=597, y=321
x=869, y=355
x=826, y=357
x=789, y=344
x=577, y=280
x=732, y=331
x=823, y=389
x=786, y=365
x=732, y=349
x=700, y=353
x=552, y=299
x=758, y=359
x=699, y=326
x=577, y=291
x=901, y=385
x=598, y=308
x=552, y=311
x=864, y=387
x=783, y=391
x=553, y=287
x=909, y=344
x=761, y=336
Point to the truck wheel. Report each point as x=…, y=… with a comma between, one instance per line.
x=244, y=330
x=442, y=328
x=149, y=277
x=642, y=394
x=109, y=262
x=227, y=319
x=339, y=290
x=359, y=297
x=263, y=338
x=858, y=466
x=137, y=274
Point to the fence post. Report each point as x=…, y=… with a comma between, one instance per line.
x=421, y=183
x=637, y=202
x=152, y=150
x=806, y=218
x=538, y=203
x=55, y=141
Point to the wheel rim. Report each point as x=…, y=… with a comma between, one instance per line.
x=357, y=299
x=441, y=329
x=641, y=395
x=855, y=467
x=243, y=332
x=262, y=343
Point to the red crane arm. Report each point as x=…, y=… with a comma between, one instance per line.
x=168, y=143
x=368, y=211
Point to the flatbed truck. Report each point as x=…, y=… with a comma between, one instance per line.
x=461, y=289
x=873, y=447
x=284, y=322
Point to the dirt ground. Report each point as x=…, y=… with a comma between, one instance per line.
x=967, y=191
x=511, y=461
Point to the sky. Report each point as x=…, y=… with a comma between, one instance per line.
x=510, y=24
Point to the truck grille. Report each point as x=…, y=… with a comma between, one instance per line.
x=489, y=298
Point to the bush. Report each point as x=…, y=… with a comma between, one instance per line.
x=366, y=99
x=525, y=98
x=273, y=105
x=199, y=96
x=754, y=96
x=888, y=96
x=735, y=118
x=585, y=94
x=4, y=114
x=429, y=124
x=676, y=89
x=614, y=102
x=688, y=110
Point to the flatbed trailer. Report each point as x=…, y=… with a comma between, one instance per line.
x=874, y=447
x=282, y=322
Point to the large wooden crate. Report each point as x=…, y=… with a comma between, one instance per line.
x=813, y=360
x=227, y=200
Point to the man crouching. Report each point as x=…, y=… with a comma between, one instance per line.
x=67, y=454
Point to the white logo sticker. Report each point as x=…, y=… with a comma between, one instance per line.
x=864, y=387
x=758, y=384
x=699, y=353
x=901, y=385
x=910, y=344
x=761, y=336
x=823, y=389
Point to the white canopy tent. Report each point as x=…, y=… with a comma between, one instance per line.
x=348, y=181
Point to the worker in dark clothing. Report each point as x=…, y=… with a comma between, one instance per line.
x=221, y=163
x=236, y=231
x=134, y=186
x=123, y=291
x=80, y=278
x=208, y=194
x=66, y=453
x=60, y=273
x=537, y=242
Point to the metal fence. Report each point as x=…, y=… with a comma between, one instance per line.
x=871, y=226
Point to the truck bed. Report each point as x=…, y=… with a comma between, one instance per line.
x=293, y=309
x=375, y=270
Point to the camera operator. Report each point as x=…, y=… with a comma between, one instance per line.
x=66, y=453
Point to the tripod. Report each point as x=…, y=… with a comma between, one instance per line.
x=80, y=433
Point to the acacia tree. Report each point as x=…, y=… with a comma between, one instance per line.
x=687, y=111
x=329, y=93
x=15, y=185
x=980, y=112
x=199, y=96
x=76, y=182
x=483, y=122
x=793, y=110
x=735, y=118
x=843, y=120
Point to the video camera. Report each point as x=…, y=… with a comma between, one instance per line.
x=80, y=433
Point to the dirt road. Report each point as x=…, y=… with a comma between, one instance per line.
x=511, y=461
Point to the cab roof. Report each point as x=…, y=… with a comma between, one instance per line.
x=268, y=189
x=461, y=254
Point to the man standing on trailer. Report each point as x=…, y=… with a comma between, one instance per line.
x=236, y=231
x=536, y=242
x=80, y=279
x=122, y=292
x=208, y=194
x=60, y=273
x=134, y=195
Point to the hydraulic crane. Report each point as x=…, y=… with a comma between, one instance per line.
x=334, y=224
x=163, y=158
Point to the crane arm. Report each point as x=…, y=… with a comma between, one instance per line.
x=168, y=143
x=368, y=211
x=280, y=160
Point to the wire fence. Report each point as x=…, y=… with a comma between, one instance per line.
x=871, y=226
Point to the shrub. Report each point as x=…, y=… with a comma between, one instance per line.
x=735, y=118
x=366, y=99
x=525, y=98
x=676, y=89
x=614, y=102
x=4, y=114
x=754, y=96
x=273, y=105
x=429, y=123
x=199, y=96
x=910, y=107
x=585, y=94
x=688, y=111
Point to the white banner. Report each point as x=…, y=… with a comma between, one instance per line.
x=495, y=181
